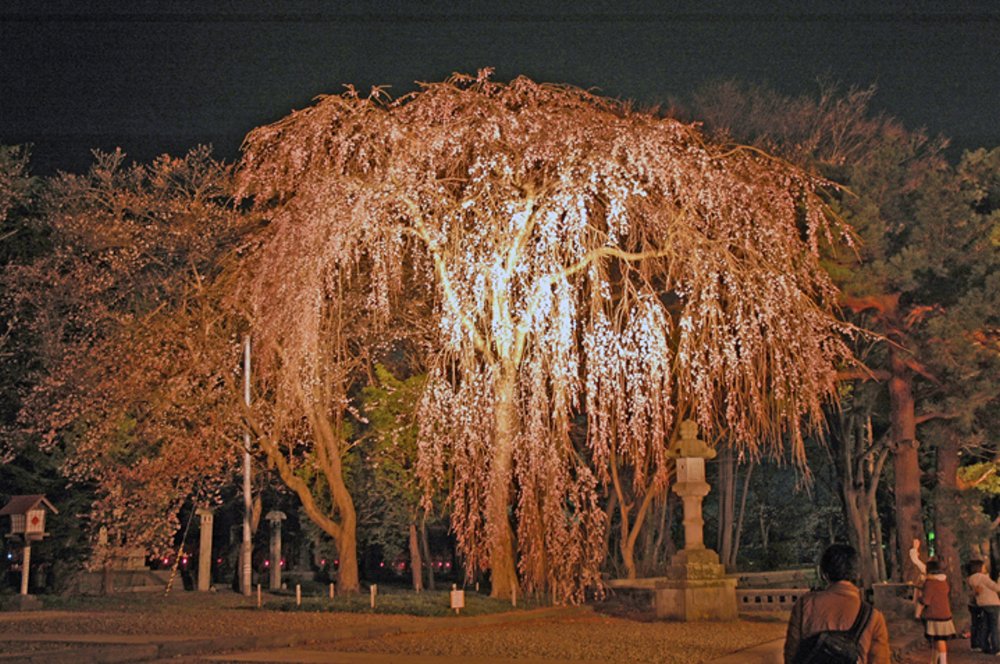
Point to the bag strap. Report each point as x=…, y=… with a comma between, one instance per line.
x=864, y=615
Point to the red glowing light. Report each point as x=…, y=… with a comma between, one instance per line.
x=267, y=563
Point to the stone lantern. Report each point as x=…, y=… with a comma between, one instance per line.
x=696, y=587
x=27, y=521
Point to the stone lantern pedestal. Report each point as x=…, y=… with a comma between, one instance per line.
x=696, y=587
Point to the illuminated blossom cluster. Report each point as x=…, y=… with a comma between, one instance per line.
x=596, y=273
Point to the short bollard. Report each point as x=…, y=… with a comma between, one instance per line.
x=457, y=598
x=374, y=591
x=298, y=595
x=260, y=602
x=513, y=596
x=331, y=591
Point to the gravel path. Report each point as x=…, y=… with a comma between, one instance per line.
x=575, y=634
x=587, y=637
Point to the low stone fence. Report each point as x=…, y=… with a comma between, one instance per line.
x=768, y=599
x=803, y=577
x=123, y=581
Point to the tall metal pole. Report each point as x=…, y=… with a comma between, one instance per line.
x=247, y=550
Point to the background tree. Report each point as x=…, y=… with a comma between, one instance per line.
x=393, y=494
x=21, y=240
x=116, y=309
x=302, y=415
x=925, y=274
x=581, y=257
x=732, y=505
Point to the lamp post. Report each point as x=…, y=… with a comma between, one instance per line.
x=246, y=550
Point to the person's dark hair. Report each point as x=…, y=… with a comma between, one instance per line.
x=973, y=567
x=933, y=566
x=840, y=562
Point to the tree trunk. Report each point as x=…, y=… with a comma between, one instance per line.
x=854, y=492
x=879, y=541
x=727, y=505
x=944, y=527
x=503, y=569
x=663, y=531
x=107, y=578
x=609, y=511
x=416, y=566
x=859, y=530
x=648, y=561
x=859, y=462
x=738, y=535
x=906, y=462
x=425, y=545
x=344, y=531
x=765, y=529
x=630, y=530
x=627, y=548
x=347, y=573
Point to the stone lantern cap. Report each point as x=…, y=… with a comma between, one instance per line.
x=689, y=445
x=27, y=515
x=275, y=516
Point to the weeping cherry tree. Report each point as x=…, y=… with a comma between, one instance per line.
x=590, y=267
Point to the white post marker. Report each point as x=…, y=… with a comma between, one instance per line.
x=298, y=595
x=331, y=591
x=513, y=595
x=260, y=602
x=25, y=565
x=457, y=598
x=374, y=591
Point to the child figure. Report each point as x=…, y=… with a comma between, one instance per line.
x=938, y=625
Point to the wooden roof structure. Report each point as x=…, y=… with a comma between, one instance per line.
x=26, y=503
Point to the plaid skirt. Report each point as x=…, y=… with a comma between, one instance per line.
x=939, y=630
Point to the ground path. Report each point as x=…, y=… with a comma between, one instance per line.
x=199, y=628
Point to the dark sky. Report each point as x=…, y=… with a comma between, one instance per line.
x=154, y=76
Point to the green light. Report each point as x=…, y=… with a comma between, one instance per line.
x=930, y=536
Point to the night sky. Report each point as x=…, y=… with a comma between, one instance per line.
x=158, y=76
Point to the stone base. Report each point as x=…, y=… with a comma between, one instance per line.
x=23, y=603
x=696, y=599
x=696, y=564
x=696, y=588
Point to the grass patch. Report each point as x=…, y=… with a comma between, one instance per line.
x=391, y=599
x=435, y=603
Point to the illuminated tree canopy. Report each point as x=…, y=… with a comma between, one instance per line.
x=590, y=267
x=131, y=356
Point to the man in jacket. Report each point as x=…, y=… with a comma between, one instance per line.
x=836, y=607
